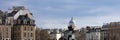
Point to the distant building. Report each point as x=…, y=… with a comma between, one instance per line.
x=93, y=33
x=82, y=34
x=113, y=30
x=70, y=33
x=21, y=22
x=5, y=29
x=104, y=33
x=55, y=35
x=37, y=34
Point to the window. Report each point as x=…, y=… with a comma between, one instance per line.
x=28, y=34
x=21, y=22
x=31, y=29
x=25, y=28
x=31, y=34
x=28, y=21
x=24, y=34
x=7, y=29
x=7, y=34
x=25, y=21
x=18, y=21
x=28, y=28
x=0, y=21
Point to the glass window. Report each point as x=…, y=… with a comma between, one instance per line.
x=7, y=29
x=24, y=34
x=25, y=28
x=28, y=35
x=31, y=29
x=7, y=35
x=31, y=34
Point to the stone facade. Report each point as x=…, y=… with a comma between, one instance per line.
x=5, y=29
x=93, y=33
x=17, y=22
x=5, y=32
x=113, y=31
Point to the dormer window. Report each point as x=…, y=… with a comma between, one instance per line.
x=25, y=21
x=26, y=15
x=31, y=22
x=21, y=21
x=28, y=21
x=18, y=21
x=8, y=22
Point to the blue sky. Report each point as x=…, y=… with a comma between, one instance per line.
x=57, y=13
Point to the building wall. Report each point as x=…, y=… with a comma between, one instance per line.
x=104, y=34
x=5, y=32
x=113, y=30
x=14, y=23
x=93, y=36
x=24, y=32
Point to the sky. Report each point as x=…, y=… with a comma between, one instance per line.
x=57, y=13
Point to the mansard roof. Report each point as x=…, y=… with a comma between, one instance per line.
x=16, y=13
x=22, y=17
x=23, y=12
x=12, y=13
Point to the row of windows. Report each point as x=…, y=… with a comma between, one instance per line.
x=6, y=36
x=9, y=20
x=25, y=22
x=28, y=28
x=4, y=33
x=28, y=34
x=4, y=29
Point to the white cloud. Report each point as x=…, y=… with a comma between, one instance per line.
x=79, y=21
x=110, y=10
x=54, y=23
x=52, y=9
x=13, y=3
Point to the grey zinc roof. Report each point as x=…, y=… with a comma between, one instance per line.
x=12, y=13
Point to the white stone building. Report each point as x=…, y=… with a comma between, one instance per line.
x=93, y=34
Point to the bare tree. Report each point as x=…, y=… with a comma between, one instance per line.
x=42, y=34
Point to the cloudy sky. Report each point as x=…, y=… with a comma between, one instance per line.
x=57, y=13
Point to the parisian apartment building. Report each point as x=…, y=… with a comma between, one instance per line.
x=17, y=24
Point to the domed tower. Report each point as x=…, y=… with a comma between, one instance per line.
x=71, y=32
x=71, y=25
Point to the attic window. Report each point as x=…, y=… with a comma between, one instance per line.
x=26, y=15
x=28, y=22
